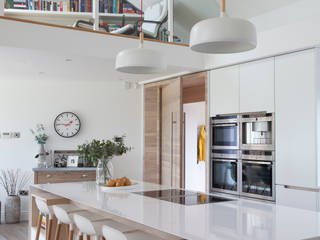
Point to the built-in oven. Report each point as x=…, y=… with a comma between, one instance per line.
x=257, y=131
x=225, y=132
x=225, y=171
x=257, y=177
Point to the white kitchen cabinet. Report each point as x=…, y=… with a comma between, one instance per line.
x=297, y=198
x=257, y=86
x=296, y=96
x=224, y=90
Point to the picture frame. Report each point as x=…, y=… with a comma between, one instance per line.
x=72, y=161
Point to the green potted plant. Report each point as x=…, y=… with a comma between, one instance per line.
x=100, y=152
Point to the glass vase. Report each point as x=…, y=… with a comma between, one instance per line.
x=104, y=171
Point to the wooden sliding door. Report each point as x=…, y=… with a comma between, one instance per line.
x=163, y=133
x=171, y=164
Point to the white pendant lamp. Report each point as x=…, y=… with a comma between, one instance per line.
x=140, y=60
x=223, y=34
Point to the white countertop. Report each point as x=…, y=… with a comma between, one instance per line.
x=240, y=219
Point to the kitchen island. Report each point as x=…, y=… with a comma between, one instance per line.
x=237, y=219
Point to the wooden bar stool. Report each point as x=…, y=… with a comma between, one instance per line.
x=114, y=234
x=44, y=209
x=94, y=228
x=64, y=214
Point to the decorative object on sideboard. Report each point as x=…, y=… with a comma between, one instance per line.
x=72, y=161
x=61, y=157
x=100, y=154
x=67, y=124
x=13, y=181
x=41, y=138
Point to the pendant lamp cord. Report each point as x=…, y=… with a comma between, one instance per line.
x=223, y=6
x=141, y=31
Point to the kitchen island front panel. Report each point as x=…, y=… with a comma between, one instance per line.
x=239, y=219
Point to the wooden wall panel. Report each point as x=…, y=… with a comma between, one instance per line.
x=152, y=144
x=194, y=94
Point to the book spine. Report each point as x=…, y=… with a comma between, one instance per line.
x=82, y=6
x=31, y=5
x=106, y=6
x=114, y=10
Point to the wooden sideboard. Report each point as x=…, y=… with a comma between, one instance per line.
x=60, y=175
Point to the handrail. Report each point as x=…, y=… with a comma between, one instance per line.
x=88, y=30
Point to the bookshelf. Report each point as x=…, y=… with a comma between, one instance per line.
x=61, y=16
x=85, y=15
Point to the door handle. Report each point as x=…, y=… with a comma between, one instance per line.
x=258, y=162
x=171, y=150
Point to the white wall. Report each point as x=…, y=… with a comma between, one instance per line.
x=1, y=7
x=283, y=30
x=104, y=107
x=195, y=173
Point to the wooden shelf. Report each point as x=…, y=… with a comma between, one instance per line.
x=49, y=14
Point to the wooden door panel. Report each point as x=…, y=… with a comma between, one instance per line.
x=151, y=163
x=171, y=133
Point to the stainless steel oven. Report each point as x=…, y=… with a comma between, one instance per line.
x=257, y=177
x=225, y=132
x=257, y=131
x=225, y=171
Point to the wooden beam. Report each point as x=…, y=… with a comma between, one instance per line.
x=87, y=30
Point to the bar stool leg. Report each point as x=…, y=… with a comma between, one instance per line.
x=38, y=226
x=57, y=231
x=70, y=234
x=80, y=236
x=49, y=228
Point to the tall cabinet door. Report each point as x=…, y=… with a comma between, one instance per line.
x=224, y=91
x=171, y=152
x=296, y=119
x=257, y=86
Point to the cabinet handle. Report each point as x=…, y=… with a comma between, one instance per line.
x=302, y=188
x=49, y=175
x=85, y=175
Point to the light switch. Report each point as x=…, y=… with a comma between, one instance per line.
x=9, y=135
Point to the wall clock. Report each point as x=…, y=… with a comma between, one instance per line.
x=67, y=124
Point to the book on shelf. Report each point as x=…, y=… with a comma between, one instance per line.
x=105, y=6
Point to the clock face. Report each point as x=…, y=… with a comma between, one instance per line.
x=67, y=124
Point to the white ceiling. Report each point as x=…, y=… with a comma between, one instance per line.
x=26, y=64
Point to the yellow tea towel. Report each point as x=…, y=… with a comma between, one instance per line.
x=202, y=144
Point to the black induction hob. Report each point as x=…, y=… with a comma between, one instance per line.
x=183, y=197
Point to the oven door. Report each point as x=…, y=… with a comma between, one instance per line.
x=225, y=136
x=257, y=179
x=225, y=176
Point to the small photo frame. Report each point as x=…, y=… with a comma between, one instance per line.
x=72, y=161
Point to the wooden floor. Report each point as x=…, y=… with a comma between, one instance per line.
x=14, y=231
